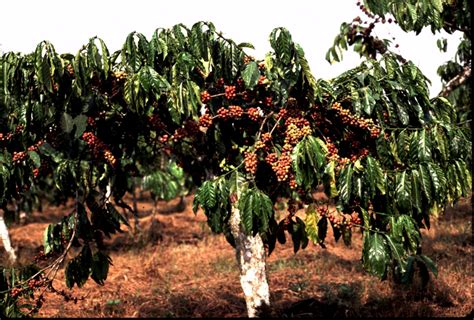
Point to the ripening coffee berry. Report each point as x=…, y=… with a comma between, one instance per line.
x=205, y=120
x=205, y=97
x=250, y=159
x=229, y=92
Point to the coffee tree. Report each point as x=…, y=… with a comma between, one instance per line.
x=249, y=133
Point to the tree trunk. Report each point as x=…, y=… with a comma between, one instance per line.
x=136, y=225
x=250, y=254
x=6, y=240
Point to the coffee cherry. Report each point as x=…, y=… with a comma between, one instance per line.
x=220, y=83
x=259, y=145
x=229, y=92
x=266, y=137
x=205, y=120
x=247, y=59
x=271, y=159
x=191, y=128
x=205, y=97
x=178, y=135
x=268, y=101
x=261, y=80
x=250, y=159
x=236, y=112
x=253, y=114
x=223, y=113
x=163, y=139
x=19, y=156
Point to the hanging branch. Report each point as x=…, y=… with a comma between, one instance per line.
x=456, y=82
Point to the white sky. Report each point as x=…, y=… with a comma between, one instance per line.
x=313, y=24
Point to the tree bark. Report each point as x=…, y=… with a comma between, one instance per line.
x=456, y=82
x=6, y=240
x=250, y=253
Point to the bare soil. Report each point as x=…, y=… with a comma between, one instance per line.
x=173, y=266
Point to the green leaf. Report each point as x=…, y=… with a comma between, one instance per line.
x=425, y=181
x=47, y=238
x=329, y=180
x=308, y=159
x=67, y=124
x=416, y=190
x=403, y=191
x=412, y=12
x=375, y=254
x=424, y=146
x=35, y=158
x=374, y=176
x=256, y=210
x=246, y=215
x=368, y=101
x=250, y=75
x=311, y=223
x=345, y=184
x=80, y=123
x=100, y=267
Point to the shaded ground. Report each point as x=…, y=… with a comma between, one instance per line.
x=178, y=268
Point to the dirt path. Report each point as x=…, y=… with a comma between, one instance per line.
x=178, y=268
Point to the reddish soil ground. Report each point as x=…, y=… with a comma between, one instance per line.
x=175, y=267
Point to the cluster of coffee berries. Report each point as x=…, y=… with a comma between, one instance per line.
x=292, y=183
x=91, y=122
x=250, y=161
x=297, y=129
x=229, y=92
x=246, y=96
x=355, y=219
x=262, y=80
x=109, y=157
x=164, y=138
x=223, y=113
x=356, y=121
x=365, y=10
x=35, y=146
x=205, y=97
x=322, y=211
x=282, y=166
x=236, y=111
x=19, y=156
x=35, y=283
x=253, y=114
x=36, y=172
x=15, y=292
x=6, y=137
x=40, y=256
x=178, y=135
x=240, y=84
x=266, y=137
x=248, y=59
x=283, y=113
x=98, y=148
x=333, y=152
x=268, y=102
x=220, y=83
x=259, y=145
x=271, y=158
x=205, y=120
x=362, y=153
x=155, y=122
x=191, y=128
x=19, y=129
x=120, y=75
